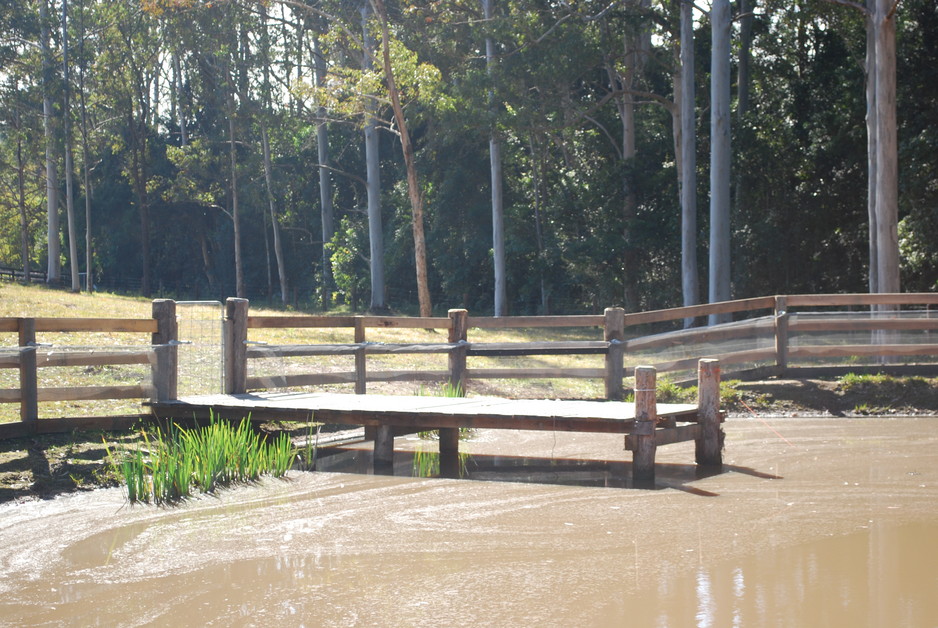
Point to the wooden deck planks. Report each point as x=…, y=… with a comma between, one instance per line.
x=423, y=412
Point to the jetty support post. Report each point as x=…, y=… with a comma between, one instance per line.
x=643, y=432
x=384, y=449
x=29, y=373
x=236, y=337
x=165, y=345
x=614, y=334
x=709, y=446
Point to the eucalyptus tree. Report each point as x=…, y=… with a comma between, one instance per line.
x=69, y=165
x=498, y=206
x=719, y=276
x=53, y=267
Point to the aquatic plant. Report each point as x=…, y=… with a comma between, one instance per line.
x=165, y=466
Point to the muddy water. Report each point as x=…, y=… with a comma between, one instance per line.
x=815, y=522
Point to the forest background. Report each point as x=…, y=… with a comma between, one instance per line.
x=503, y=156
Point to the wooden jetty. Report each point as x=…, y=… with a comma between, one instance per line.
x=645, y=424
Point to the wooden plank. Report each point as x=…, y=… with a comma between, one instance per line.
x=408, y=376
x=561, y=347
x=830, y=300
x=93, y=393
x=299, y=351
x=63, y=325
x=382, y=348
x=236, y=335
x=669, y=436
x=709, y=447
x=847, y=324
x=514, y=322
x=10, y=360
x=742, y=329
x=536, y=373
x=9, y=325
x=299, y=322
x=679, y=313
x=407, y=322
x=10, y=395
x=737, y=357
x=95, y=357
x=298, y=380
x=840, y=351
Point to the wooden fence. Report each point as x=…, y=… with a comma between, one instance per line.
x=619, y=337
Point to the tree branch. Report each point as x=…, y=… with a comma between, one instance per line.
x=855, y=5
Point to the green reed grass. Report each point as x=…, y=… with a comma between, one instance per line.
x=166, y=466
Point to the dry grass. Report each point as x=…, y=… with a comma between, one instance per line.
x=37, y=301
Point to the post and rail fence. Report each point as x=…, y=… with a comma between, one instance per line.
x=787, y=337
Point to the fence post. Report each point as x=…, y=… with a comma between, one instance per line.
x=781, y=332
x=709, y=446
x=166, y=365
x=458, y=332
x=643, y=431
x=614, y=334
x=236, y=336
x=361, y=373
x=29, y=374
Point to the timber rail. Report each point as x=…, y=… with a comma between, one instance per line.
x=622, y=341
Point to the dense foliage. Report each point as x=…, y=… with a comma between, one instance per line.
x=171, y=102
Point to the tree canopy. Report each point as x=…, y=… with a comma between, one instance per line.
x=218, y=148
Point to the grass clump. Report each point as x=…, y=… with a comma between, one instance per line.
x=167, y=466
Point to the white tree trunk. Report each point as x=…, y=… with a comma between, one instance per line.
x=52, y=179
x=498, y=209
x=871, y=136
x=887, y=172
x=720, y=156
x=69, y=167
x=373, y=178
x=325, y=181
x=274, y=223
x=688, y=162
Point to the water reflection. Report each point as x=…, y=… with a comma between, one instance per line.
x=525, y=469
x=882, y=576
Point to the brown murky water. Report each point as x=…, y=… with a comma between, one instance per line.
x=815, y=523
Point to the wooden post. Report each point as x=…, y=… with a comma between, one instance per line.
x=709, y=447
x=458, y=332
x=29, y=373
x=236, y=336
x=361, y=375
x=384, y=447
x=643, y=433
x=614, y=334
x=449, y=452
x=781, y=332
x=164, y=341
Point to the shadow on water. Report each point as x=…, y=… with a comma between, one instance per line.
x=523, y=469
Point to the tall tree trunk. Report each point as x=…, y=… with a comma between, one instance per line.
x=274, y=223
x=871, y=137
x=21, y=199
x=373, y=177
x=495, y=163
x=720, y=156
x=69, y=167
x=268, y=169
x=887, y=173
x=233, y=190
x=325, y=181
x=179, y=100
x=85, y=166
x=413, y=185
x=53, y=267
x=688, y=162
x=138, y=142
